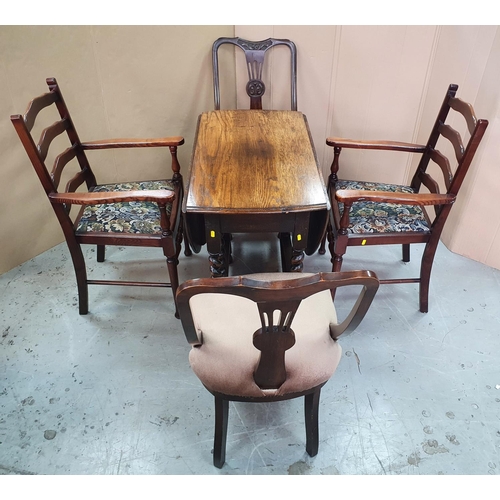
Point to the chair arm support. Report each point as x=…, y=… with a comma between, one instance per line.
x=133, y=143
x=349, y=196
x=338, y=142
x=160, y=196
x=275, y=291
x=359, y=309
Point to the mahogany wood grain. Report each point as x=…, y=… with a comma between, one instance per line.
x=422, y=199
x=159, y=196
x=382, y=145
x=133, y=143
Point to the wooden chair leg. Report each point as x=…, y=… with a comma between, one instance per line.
x=406, y=252
x=322, y=246
x=173, y=274
x=101, y=253
x=311, y=410
x=221, y=419
x=76, y=253
x=425, y=274
x=185, y=237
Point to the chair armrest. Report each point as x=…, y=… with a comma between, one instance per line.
x=133, y=143
x=370, y=284
x=349, y=196
x=160, y=196
x=276, y=291
x=339, y=142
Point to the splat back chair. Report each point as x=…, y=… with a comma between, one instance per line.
x=135, y=213
x=268, y=337
x=255, y=55
x=368, y=213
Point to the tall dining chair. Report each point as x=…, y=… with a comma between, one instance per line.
x=374, y=213
x=268, y=337
x=138, y=213
x=255, y=54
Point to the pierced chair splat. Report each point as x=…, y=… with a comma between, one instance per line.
x=255, y=55
x=268, y=337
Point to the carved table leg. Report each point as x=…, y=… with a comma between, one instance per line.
x=218, y=266
x=299, y=241
x=218, y=254
x=297, y=262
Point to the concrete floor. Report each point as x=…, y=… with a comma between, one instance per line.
x=112, y=392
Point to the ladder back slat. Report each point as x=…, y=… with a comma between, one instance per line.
x=60, y=162
x=76, y=181
x=455, y=138
x=466, y=110
x=35, y=106
x=444, y=164
x=49, y=134
x=429, y=182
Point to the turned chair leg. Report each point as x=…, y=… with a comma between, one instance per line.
x=221, y=419
x=311, y=410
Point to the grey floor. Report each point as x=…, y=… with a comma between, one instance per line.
x=112, y=392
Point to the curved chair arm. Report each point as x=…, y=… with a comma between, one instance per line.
x=349, y=196
x=276, y=291
x=160, y=196
x=338, y=142
x=134, y=143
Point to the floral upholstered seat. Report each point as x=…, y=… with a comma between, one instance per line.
x=134, y=217
x=138, y=213
x=405, y=220
x=376, y=217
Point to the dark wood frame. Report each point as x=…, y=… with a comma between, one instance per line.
x=337, y=232
x=255, y=53
x=170, y=238
x=273, y=340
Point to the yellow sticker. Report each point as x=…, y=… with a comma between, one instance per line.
x=363, y=242
x=212, y=234
x=299, y=237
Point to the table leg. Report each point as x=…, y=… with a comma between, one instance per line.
x=297, y=261
x=299, y=242
x=286, y=251
x=219, y=248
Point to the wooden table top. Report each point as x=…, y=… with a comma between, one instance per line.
x=254, y=161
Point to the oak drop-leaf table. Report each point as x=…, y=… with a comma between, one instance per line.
x=255, y=171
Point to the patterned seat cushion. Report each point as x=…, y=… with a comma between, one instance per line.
x=371, y=217
x=134, y=217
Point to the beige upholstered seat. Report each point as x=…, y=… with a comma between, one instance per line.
x=268, y=337
x=226, y=360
